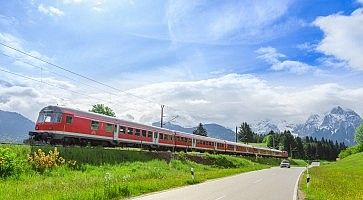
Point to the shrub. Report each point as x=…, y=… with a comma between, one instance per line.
x=40, y=161
x=10, y=164
x=350, y=151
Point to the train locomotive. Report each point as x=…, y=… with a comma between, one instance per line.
x=61, y=125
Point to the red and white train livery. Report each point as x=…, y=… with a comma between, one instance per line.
x=60, y=125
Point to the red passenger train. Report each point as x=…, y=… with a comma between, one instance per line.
x=60, y=125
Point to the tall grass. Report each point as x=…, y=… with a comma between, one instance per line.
x=336, y=181
x=99, y=155
x=116, y=173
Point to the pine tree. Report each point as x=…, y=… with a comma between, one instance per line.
x=200, y=130
x=245, y=133
x=300, y=148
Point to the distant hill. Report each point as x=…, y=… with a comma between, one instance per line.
x=213, y=130
x=14, y=127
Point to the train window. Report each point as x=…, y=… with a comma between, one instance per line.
x=149, y=134
x=161, y=137
x=69, y=119
x=109, y=127
x=95, y=125
x=137, y=132
x=122, y=129
x=130, y=131
x=156, y=135
x=49, y=117
x=143, y=132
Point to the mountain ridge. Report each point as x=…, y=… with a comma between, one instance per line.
x=337, y=124
x=213, y=130
x=14, y=127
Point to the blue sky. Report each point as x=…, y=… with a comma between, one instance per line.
x=191, y=55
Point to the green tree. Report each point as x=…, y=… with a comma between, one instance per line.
x=358, y=137
x=102, y=109
x=245, y=133
x=200, y=130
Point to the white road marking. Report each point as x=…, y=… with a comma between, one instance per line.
x=259, y=180
x=220, y=197
x=297, y=185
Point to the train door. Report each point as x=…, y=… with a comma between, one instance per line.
x=115, y=132
x=155, y=138
x=215, y=145
x=194, y=142
x=68, y=121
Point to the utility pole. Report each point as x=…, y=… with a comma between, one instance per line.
x=236, y=134
x=162, y=116
x=273, y=140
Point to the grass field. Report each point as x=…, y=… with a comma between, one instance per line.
x=264, y=145
x=298, y=162
x=115, y=173
x=336, y=181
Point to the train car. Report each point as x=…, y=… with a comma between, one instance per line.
x=60, y=125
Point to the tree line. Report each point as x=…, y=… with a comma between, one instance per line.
x=307, y=148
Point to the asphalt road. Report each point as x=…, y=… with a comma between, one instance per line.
x=268, y=184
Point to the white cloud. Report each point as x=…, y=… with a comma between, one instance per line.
x=228, y=22
x=234, y=98
x=292, y=66
x=227, y=100
x=196, y=101
x=273, y=57
x=17, y=57
x=8, y=21
x=50, y=10
x=306, y=46
x=28, y=97
x=269, y=54
x=343, y=37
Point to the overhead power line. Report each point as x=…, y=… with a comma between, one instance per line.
x=80, y=75
x=57, y=74
x=74, y=73
x=33, y=79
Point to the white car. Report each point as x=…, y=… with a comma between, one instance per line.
x=285, y=163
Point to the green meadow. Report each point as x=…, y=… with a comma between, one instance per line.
x=116, y=173
x=335, y=180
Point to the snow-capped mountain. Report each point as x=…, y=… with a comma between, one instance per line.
x=267, y=125
x=338, y=124
x=264, y=127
